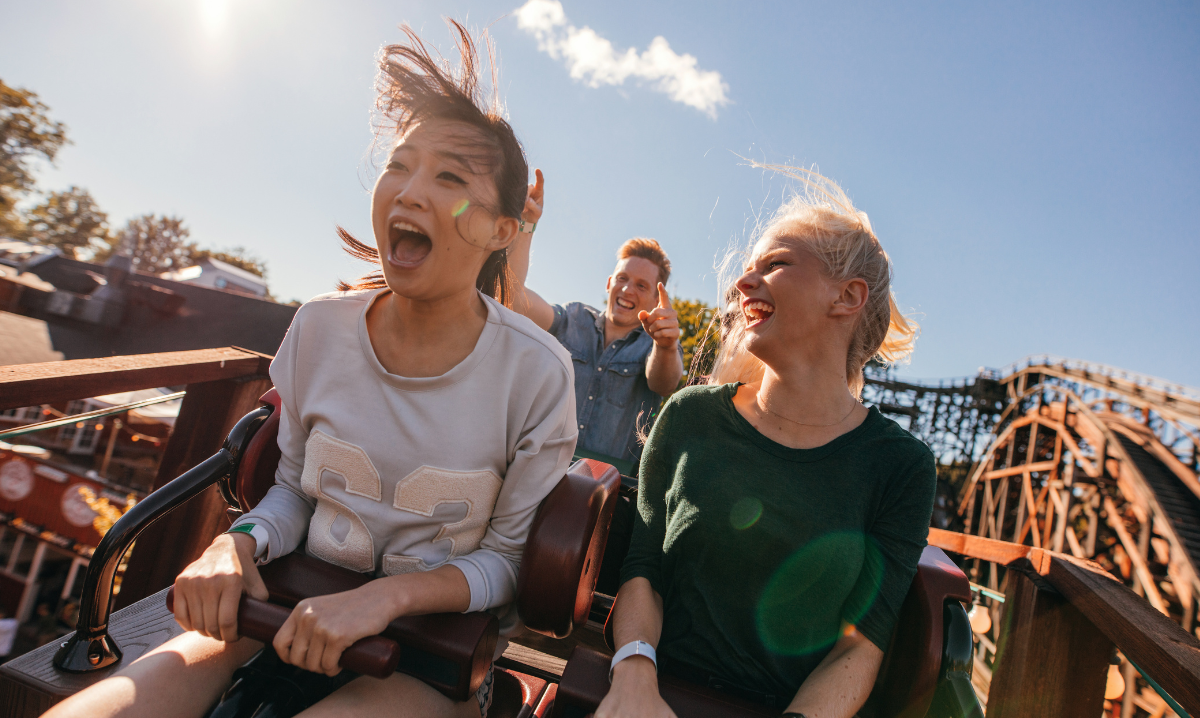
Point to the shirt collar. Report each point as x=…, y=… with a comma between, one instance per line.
x=602, y=326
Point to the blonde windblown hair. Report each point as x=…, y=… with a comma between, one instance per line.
x=839, y=235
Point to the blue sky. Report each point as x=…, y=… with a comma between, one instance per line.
x=1031, y=167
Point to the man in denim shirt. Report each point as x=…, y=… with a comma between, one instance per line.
x=627, y=356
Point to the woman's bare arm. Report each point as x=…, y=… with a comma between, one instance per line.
x=840, y=684
x=637, y=616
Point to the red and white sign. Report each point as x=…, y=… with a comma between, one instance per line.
x=50, y=498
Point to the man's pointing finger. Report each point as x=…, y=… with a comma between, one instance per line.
x=664, y=301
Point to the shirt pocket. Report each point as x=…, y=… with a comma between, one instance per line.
x=579, y=360
x=620, y=382
x=576, y=346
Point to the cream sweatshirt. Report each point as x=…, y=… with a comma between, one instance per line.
x=389, y=474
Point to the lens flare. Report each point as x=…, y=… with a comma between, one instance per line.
x=828, y=583
x=461, y=207
x=745, y=513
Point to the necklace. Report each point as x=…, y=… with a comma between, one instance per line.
x=763, y=407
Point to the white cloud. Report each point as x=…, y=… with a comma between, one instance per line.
x=593, y=60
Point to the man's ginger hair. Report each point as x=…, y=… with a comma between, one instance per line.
x=648, y=249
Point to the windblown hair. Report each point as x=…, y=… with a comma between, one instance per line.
x=840, y=236
x=650, y=250
x=413, y=86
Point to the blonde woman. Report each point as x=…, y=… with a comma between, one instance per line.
x=780, y=521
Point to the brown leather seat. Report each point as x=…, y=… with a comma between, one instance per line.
x=560, y=567
x=913, y=662
x=452, y=652
x=565, y=549
x=256, y=469
x=906, y=682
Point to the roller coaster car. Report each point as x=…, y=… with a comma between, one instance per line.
x=559, y=570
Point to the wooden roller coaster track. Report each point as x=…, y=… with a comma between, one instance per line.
x=1072, y=457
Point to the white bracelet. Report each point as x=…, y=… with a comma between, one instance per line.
x=633, y=648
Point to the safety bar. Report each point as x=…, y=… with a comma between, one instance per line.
x=91, y=648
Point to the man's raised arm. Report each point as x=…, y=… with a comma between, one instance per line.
x=527, y=301
x=664, y=366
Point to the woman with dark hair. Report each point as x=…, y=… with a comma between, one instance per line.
x=780, y=521
x=406, y=397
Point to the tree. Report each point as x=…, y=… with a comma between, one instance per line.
x=157, y=244
x=71, y=221
x=27, y=134
x=238, y=257
x=699, y=335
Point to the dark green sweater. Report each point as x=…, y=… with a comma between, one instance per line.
x=761, y=552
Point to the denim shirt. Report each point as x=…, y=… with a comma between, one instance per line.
x=612, y=398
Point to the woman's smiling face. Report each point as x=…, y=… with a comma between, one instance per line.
x=785, y=295
x=432, y=212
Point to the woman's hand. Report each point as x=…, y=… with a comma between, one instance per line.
x=320, y=629
x=208, y=591
x=534, y=200
x=634, y=692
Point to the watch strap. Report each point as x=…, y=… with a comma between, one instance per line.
x=633, y=648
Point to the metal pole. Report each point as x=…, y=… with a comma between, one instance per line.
x=112, y=440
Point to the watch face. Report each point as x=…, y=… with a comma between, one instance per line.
x=16, y=480
x=75, y=508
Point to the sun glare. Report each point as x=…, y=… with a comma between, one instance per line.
x=213, y=15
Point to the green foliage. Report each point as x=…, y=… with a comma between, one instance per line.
x=161, y=244
x=238, y=257
x=27, y=134
x=698, y=335
x=71, y=221
x=157, y=244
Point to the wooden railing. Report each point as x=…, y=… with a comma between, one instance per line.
x=1062, y=617
x=222, y=385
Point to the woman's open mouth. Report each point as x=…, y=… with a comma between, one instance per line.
x=757, y=311
x=409, y=246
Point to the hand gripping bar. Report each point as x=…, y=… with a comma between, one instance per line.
x=374, y=656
